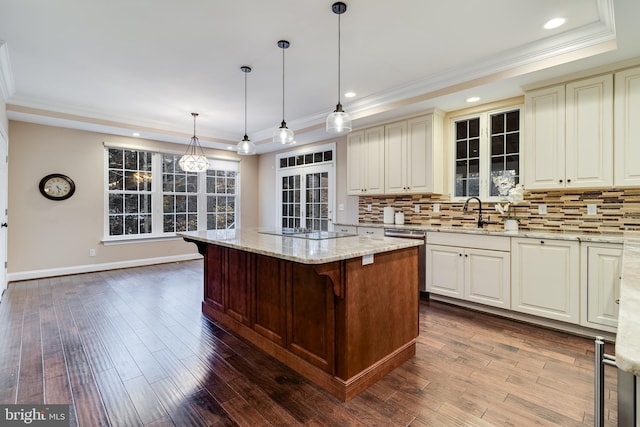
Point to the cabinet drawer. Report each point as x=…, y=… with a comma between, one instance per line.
x=494, y=243
x=345, y=229
x=371, y=231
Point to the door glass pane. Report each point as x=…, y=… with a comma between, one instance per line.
x=317, y=200
x=290, y=201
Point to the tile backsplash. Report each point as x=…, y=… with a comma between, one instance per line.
x=616, y=210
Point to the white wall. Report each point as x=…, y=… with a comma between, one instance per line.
x=267, y=184
x=4, y=121
x=50, y=238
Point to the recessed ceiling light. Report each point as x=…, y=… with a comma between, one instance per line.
x=349, y=94
x=473, y=99
x=136, y=134
x=554, y=23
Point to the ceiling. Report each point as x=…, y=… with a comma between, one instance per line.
x=124, y=66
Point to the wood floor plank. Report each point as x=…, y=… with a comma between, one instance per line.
x=173, y=401
x=141, y=393
x=130, y=347
x=120, y=409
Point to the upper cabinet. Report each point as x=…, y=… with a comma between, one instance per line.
x=365, y=161
x=569, y=135
x=413, y=155
x=627, y=128
x=403, y=157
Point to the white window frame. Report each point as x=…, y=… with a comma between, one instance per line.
x=485, y=155
x=157, y=195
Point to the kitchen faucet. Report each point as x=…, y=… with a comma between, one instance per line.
x=465, y=208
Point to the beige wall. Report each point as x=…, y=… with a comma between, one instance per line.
x=51, y=238
x=267, y=184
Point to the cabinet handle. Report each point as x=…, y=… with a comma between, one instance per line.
x=466, y=255
x=618, y=301
x=542, y=242
x=568, y=180
x=560, y=181
x=459, y=254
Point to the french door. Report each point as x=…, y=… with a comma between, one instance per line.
x=306, y=197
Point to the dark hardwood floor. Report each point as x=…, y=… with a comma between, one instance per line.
x=130, y=347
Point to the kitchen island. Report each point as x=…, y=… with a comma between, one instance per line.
x=341, y=310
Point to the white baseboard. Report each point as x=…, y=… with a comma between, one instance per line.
x=90, y=268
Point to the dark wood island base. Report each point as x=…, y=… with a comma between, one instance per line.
x=342, y=325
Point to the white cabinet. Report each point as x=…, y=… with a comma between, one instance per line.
x=544, y=138
x=395, y=156
x=365, y=161
x=473, y=268
x=545, y=278
x=589, y=132
x=569, y=135
x=627, y=128
x=600, y=279
x=414, y=155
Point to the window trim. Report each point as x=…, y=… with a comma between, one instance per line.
x=485, y=156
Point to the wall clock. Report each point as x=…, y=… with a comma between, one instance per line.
x=57, y=186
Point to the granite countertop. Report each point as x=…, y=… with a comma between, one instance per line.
x=305, y=251
x=537, y=234
x=628, y=335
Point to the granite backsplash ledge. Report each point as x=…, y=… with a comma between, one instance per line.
x=617, y=210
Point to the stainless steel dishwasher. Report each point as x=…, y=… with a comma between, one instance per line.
x=422, y=252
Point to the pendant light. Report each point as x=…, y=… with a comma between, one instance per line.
x=246, y=147
x=194, y=159
x=338, y=122
x=283, y=135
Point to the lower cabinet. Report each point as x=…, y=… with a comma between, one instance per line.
x=479, y=271
x=600, y=279
x=545, y=279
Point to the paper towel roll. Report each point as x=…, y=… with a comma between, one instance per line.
x=388, y=215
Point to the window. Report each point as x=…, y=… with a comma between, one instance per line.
x=129, y=192
x=139, y=205
x=485, y=145
x=179, y=196
x=221, y=199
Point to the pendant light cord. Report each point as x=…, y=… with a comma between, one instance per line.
x=245, y=104
x=194, y=123
x=283, y=84
x=339, y=58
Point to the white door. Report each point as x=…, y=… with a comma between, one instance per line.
x=487, y=277
x=306, y=197
x=4, y=190
x=545, y=278
x=445, y=271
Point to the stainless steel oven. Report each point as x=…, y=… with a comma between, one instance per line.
x=422, y=252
